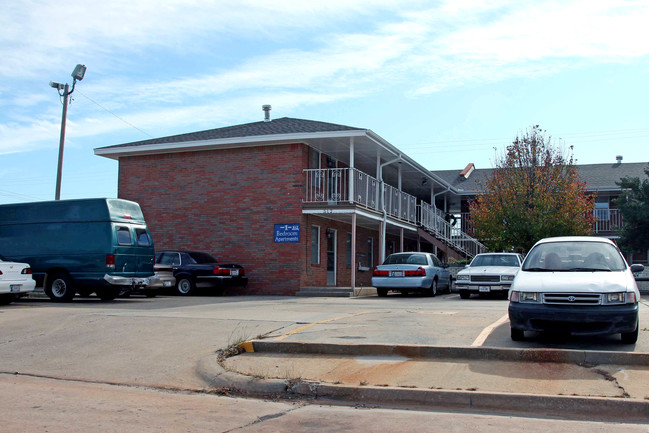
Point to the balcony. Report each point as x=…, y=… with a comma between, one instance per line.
x=336, y=186
x=607, y=221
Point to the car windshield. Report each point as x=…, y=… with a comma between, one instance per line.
x=574, y=256
x=201, y=258
x=406, y=259
x=495, y=260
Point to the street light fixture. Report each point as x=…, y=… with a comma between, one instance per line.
x=65, y=92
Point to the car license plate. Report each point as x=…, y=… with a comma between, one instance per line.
x=234, y=272
x=15, y=288
x=166, y=283
x=484, y=289
x=396, y=274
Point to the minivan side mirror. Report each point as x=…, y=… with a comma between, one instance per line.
x=636, y=269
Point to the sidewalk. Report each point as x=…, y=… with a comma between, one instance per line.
x=562, y=383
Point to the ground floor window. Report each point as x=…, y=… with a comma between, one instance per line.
x=315, y=245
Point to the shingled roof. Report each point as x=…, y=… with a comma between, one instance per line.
x=283, y=125
x=598, y=177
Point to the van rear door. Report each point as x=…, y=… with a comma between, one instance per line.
x=133, y=251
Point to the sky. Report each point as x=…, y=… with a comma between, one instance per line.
x=447, y=82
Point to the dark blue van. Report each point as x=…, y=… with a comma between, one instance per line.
x=79, y=246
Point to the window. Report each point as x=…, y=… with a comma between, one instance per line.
x=370, y=252
x=142, y=238
x=123, y=236
x=349, y=249
x=315, y=245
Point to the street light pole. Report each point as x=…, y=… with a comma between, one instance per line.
x=59, y=171
x=77, y=75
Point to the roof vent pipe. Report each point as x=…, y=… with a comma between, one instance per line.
x=618, y=159
x=266, y=109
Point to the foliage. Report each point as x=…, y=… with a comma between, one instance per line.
x=534, y=192
x=633, y=204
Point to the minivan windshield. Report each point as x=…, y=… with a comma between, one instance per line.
x=574, y=256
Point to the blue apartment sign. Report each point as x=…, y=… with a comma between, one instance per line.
x=285, y=233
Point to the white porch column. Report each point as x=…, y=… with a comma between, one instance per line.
x=353, y=279
x=352, y=177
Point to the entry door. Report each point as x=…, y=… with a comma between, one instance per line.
x=331, y=256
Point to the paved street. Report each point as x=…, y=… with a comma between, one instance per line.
x=157, y=344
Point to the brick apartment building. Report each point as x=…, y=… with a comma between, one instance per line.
x=299, y=203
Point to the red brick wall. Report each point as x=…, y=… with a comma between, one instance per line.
x=225, y=202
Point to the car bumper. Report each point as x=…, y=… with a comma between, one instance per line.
x=161, y=282
x=577, y=320
x=402, y=282
x=17, y=287
x=482, y=287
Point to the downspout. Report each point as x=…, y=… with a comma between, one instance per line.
x=385, y=213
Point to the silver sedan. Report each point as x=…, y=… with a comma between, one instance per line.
x=411, y=271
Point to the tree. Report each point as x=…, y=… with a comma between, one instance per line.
x=534, y=192
x=633, y=204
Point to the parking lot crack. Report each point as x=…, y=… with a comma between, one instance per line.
x=264, y=418
x=609, y=377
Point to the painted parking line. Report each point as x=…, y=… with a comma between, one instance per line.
x=302, y=328
x=488, y=330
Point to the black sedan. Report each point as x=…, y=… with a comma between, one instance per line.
x=197, y=270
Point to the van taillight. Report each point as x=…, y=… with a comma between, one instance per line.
x=26, y=271
x=110, y=261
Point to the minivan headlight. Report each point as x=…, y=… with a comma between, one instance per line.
x=529, y=297
x=615, y=298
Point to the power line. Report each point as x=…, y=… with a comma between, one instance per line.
x=107, y=110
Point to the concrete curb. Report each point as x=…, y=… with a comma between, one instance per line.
x=535, y=405
x=579, y=357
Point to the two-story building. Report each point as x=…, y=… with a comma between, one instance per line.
x=304, y=204
x=299, y=203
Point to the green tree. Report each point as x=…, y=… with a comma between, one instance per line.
x=633, y=204
x=534, y=192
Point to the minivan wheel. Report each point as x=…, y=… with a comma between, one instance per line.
x=517, y=334
x=59, y=288
x=630, y=337
x=185, y=286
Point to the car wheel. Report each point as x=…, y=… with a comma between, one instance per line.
x=465, y=294
x=433, y=288
x=185, y=286
x=59, y=288
x=630, y=337
x=517, y=334
x=382, y=292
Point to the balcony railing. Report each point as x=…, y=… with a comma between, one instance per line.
x=607, y=221
x=332, y=186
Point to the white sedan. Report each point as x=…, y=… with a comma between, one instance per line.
x=15, y=279
x=488, y=273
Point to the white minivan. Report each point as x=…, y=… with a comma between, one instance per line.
x=580, y=285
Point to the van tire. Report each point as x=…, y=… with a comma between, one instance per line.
x=185, y=286
x=59, y=287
